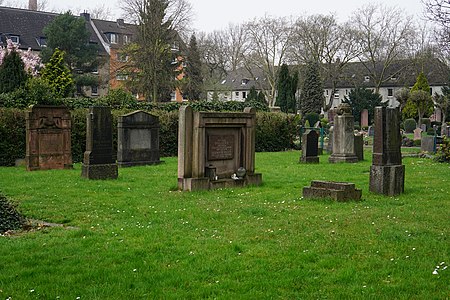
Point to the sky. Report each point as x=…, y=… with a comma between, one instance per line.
x=212, y=15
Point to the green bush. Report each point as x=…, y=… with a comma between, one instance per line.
x=417, y=143
x=443, y=152
x=312, y=118
x=168, y=133
x=410, y=125
x=10, y=218
x=78, y=133
x=427, y=122
x=12, y=135
x=275, y=131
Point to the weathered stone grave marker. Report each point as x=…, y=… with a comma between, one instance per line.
x=216, y=149
x=48, y=133
x=359, y=146
x=387, y=174
x=138, y=139
x=417, y=134
x=343, y=136
x=99, y=161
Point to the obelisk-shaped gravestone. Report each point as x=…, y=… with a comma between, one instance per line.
x=387, y=174
x=99, y=162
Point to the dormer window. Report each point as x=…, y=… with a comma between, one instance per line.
x=112, y=37
x=366, y=78
x=42, y=41
x=14, y=39
x=245, y=81
x=393, y=78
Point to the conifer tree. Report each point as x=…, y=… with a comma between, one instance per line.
x=283, y=88
x=420, y=97
x=193, y=72
x=58, y=75
x=311, y=98
x=12, y=72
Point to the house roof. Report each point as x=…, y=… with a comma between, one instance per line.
x=118, y=27
x=29, y=26
x=243, y=80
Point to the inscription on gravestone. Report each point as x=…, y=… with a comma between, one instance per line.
x=220, y=147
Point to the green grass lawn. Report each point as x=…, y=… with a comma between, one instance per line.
x=139, y=238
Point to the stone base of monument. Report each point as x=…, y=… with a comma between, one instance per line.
x=124, y=164
x=205, y=183
x=387, y=180
x=99, y=171
x=310, y=159
x=343, y=158
x=339, y=191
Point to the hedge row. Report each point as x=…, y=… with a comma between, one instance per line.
x=274, y=132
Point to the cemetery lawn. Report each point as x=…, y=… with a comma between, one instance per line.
x=139, y=238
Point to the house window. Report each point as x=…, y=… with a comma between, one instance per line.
x=431, y=91
x=390, y=92
x=366, y=78
x=336, y=95
x=236, y=94
x=121, y=77
x=94, y=90
x=126, y=39
x=122, y=57
x=327, y=92
x=244, y=81
x=112, y=37
x=244, y=95
x=42, y=41
x=14, y=39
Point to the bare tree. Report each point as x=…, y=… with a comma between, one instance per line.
x=101, y=12
x=267, y=43
x=438, y=11
x=384, y=35
x=213, y=49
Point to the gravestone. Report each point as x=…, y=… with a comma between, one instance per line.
x=48, y=134
x=330, y=140
x=339, y=191
x=417, y=134
x=364, y=118
x=343, y=137
x=359, y=146
x=99, y=161
x=137, y=139
x=387, y=174
x=428, y=144
x=216, y=149
x=370, y=131
x=310, y=144
x=423, y=127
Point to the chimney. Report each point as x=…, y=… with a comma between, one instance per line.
x=32, y=4
x=86, y=16
x=120, y=23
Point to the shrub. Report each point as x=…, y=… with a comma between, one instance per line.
x=443, y=152
x=417, y=143
x=427, y=122
x=118, y=98
x=275, y=131
x=12, y=135
x=168, y=134
x=78, y=133
x=312, y=118
x=410, y=125
x=10, y=218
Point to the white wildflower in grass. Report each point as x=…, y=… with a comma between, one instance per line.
x=134, y=270
x=435, y=272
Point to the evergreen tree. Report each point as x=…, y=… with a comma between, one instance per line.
x=311, y=98
x=420, y=98
x=70, y=34
x=362, y=98
x=154, y=67
x=12, y=72
x=252, y=95
x=283, y=88
x=193, y=72
x=292, y=101
x=58, y=75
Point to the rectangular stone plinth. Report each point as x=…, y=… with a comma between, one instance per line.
x=309, y=159
x=387, y=180
x=99, y=171
x=339, y=191
x=343, y=158
x=198, y=184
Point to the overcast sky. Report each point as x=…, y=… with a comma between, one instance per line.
x=213, y=14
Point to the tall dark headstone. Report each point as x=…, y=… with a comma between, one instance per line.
x=137, y=139
x=387, y=174
x=48, y=138
x=310, y=143
x=359, y=146
x=99, y=162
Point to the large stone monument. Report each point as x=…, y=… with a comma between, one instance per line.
x=99, y=161
x=137, y=139
x=216, y=149
x=387, y=174
x=310, y=144
x=343, y=137
x=48, y=133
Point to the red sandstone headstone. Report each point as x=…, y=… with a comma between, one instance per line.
x=48, y=138
x=364, y=118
